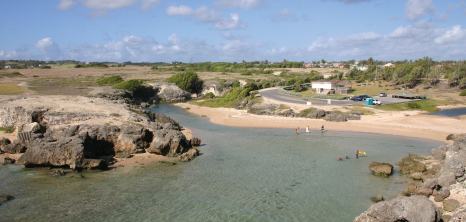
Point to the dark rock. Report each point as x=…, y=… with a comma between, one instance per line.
x=5, y=198
x=15, y=147
x=377, y=199
x=195, y=141
x=241, y=104
x=8, y=160
x=3, y=142
x=188, y=156
x=384, y=169
x=451, y=205
x=413, y=209
x=57, y=173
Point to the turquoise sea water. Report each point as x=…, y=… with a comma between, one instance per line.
x=243, y=174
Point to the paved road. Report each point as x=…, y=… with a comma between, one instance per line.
x=274, y=95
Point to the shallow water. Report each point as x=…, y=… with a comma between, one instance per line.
x=243, y=174
x=451, y=112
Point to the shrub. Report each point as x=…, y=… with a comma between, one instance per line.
x=463, y=93
x=112, y=80
x=129, y=85
x=209, y=95
x=45, y=67
x=8, y=129
x=413, y=106
x=187, y=81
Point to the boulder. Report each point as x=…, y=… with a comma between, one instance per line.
x=195, y=141
x=15, y=147
x=212, y=86
x=413, y=209
x=450, y=205
x=5, y=198
x=3, y=142
x=383, y=169
x=353, y=116
x=57, y=173
x=318, y=114
x=69, y=152
x=442, y=194
x=170, y=92
x=169, y=143
x=188, y=156
x=454, y=164
x=132, y=139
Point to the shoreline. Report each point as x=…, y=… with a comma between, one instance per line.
x=414, y=124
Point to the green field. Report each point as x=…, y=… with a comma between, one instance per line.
x=8, y=88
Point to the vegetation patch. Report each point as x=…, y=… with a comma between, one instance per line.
x=8, y=88
x=463, y=93
x=423, y=105
x=111, y=80
x=188, y=81
x=8, y=129
x=11, y=75
x=129, y=85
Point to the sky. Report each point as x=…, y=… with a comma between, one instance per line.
x=232, y=30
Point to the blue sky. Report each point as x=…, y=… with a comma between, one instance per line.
x=232, y=30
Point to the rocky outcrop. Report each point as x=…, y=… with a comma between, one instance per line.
x=411, y=164
x=90, y=139
x=381, y=169
x=212, y=86
x=169, y=92
x=439, y=177
x=413, y=209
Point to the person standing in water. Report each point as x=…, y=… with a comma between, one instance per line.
x=307, y=130
x=297, y=131
x=322, y=129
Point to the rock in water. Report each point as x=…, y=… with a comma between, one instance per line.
x=383, y=169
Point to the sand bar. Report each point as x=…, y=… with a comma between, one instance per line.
x=401, y=123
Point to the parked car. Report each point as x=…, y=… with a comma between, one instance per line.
x=360, y=97
x=383, y=94
x=377, y=102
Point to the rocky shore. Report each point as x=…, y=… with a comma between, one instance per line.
x=437, y=191
x=87, y=133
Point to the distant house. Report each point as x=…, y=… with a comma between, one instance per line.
x=326, y=87
x=361, y=68
x=8, y=67
x=389, y=65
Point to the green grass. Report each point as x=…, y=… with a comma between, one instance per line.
x=8, y=129
x=64, y=66
x=11, y=75
x=423, y=105
x=8, y=88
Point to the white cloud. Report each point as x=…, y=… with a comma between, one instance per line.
x=283, y=16
x=149, y=4
x=49, y=48
x=231, y=36
x=245, y=4
x=416, y=9
x=108, y=4
x=453, y=35
x=66, y=5
x=204, y=15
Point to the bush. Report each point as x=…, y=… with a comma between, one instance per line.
x=463, y=93
x=209, y=95
x=8, y=129
x=45, y=67
x=413, y=106
x=187, y=81
x=129, y=85
x=112, y=80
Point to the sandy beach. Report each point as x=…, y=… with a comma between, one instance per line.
x=400, y=123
